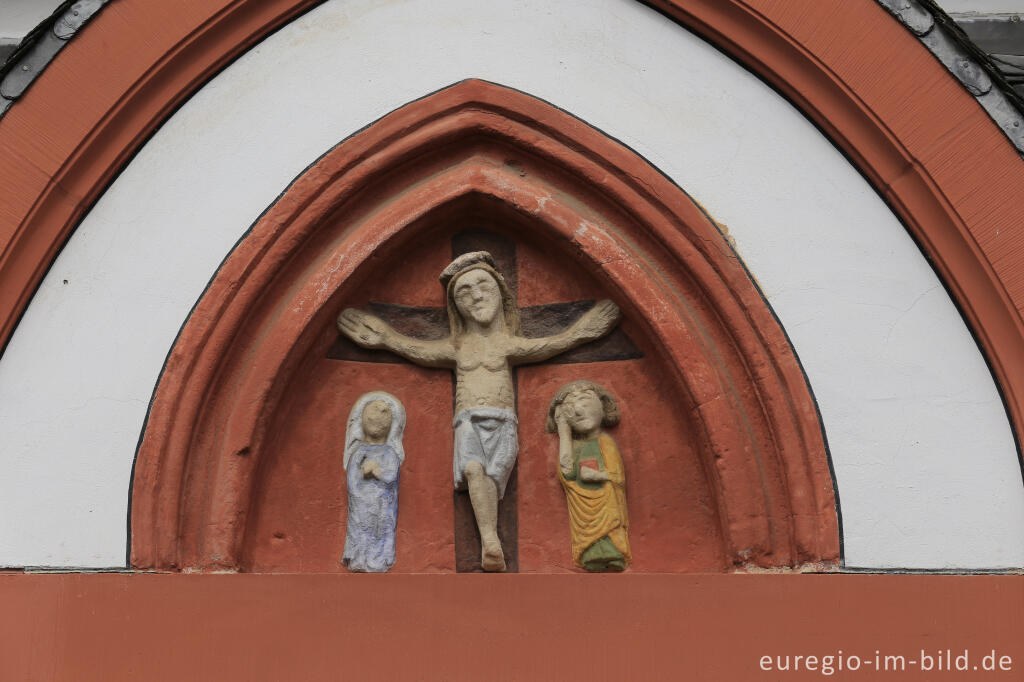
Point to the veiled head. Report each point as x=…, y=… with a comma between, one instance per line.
x=373, y=413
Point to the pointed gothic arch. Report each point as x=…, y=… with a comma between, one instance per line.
x=60, y=164
x=61, y=158
x=589, y=198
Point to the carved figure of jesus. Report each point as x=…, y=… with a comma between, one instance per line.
x=484, y=344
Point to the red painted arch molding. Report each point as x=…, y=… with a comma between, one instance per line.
x=924, y=143
x=429, y=164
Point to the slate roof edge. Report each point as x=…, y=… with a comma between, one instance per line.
x=41, y=45
x=967, y=62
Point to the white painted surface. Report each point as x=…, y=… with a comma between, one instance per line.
x=925, y=461
x=981, y=6
x=18, y=17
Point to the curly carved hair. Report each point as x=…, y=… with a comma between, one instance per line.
x=611, y=407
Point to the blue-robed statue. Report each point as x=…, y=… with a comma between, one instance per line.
x=373, y=457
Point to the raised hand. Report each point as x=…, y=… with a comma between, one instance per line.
x=365, y=329
x=564, y=440
x=599, y=320
x=561, y=421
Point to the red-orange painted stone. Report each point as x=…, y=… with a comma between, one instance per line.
x=238, y=466
x=80, y=628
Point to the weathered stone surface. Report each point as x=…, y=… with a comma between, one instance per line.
x=719, y=428
x=592, y=474
x=484, y=344
x=373, y=458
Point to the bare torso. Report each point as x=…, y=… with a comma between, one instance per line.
x=483, y=373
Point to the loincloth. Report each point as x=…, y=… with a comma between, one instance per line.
x=486, y=435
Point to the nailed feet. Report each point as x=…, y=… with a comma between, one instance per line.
x=491, y=557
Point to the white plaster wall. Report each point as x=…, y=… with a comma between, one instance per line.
x=926, y=465
x=18, y=17
x=981, y=6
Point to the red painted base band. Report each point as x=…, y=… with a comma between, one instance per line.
x=474, y=627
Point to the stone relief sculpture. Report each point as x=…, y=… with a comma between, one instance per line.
x=485, y=342
x=373, y=458
x=590, y=470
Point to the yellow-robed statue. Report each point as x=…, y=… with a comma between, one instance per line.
x=590, y=470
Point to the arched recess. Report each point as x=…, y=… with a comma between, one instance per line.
x=671, y=271
x=924, y=143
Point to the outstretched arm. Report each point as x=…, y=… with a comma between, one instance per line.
x=594, y=324
x=369, y=331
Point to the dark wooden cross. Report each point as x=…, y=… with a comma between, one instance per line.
x=541, y=320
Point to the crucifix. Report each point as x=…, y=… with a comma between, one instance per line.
x=487, y=336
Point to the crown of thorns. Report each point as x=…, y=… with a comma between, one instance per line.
x=466, y=262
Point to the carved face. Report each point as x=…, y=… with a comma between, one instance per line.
x=376, y=420
x=477, y=297
x=584, y=411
